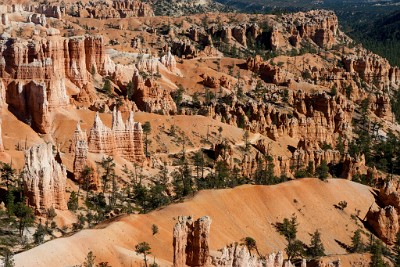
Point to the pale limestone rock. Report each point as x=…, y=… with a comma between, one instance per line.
x=44, y=179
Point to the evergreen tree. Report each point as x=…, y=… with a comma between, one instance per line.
x=154, y=229
x=322, y=171
x=73, y=201
x=288, y=228
x=89, y=260
x=8, y=260
x=108, y=166
x=25, y=217
x=7, y=175
x=146, y=130
x=251, y=244
x=376, y=254
x=264, y=173
x=87, y=175
x=129, y=90
x=141, y=196
x=340, y=145
x=357, y=246
x=222, y=173
x=295, y=249
x=10, y=203
x=143, y=248
x=316, y=248
x=199, y=164
x=39, y=234
x=157, y=196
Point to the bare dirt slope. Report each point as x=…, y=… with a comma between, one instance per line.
x=236, y=213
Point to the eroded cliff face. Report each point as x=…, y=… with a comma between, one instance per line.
x=319, y=28
x=385, y=222
x=372, y=69
x=117, y=9
x=385, y=219
x=44, y=179
x=34, y=73
x=316, y=120
x=190, y=240
x=150, y=97
x=123, y=139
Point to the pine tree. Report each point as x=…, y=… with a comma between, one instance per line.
x=143, y=248
x=129, y=90
x=39, y=234
x=357, y=245
x=288, y=228
x=146, y=130
x=10, y=203
x=89, y=260
x=108, y=166
x=8, y=260
x=199, y=163
x=376, y=254
x=73, y=201
x=7, y=174
x=251, y=244
x=25, y=217
x=322, y=171
x=316, y=248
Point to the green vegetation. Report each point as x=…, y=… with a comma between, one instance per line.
x=145, y=249
x=316, y=248
x=251, y=244
x=357, y=246
x=146, y=130
x=154, y=229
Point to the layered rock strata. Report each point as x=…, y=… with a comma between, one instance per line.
x=118, y=9
x=123, y=139
x=34, y=73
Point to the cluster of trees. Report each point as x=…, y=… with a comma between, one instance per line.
x=376, y=248
x=17, y=216
x=296, y=249
x=380, y=152
x=321, y=172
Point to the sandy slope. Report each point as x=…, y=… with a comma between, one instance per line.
x=236, y=213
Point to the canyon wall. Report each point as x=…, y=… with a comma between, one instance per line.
x=117, y=9
x=34, y=73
